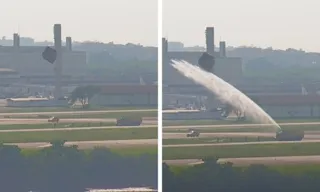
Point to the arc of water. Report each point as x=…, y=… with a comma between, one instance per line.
x=224, y=91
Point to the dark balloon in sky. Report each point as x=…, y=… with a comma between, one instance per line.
x=49, y=54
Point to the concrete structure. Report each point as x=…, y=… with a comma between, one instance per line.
x=69, y=43
x=28, y=61
x=192, y=115
x=127, y=95
x=222, y=49
x=210, y=40
x=58, y=62
x=228, y=68
x=8, y=76
x=16, y=40
x=290, y=106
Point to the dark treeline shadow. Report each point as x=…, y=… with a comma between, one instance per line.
x=211, y=176
x=60, y=168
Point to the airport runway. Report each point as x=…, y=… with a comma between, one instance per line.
x=76, y=128
x=181, y=127
x=311, y=135
x=92, y=144
x=284, y=160
x=244, y=143
x=145, y=121
x=76, y=112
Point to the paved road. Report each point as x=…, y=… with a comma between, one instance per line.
x=75, y=128
x=181, y=127
x=311, y=135
x=288, y=160
x=92, y=144
x=76, y=112
x=44, y=121
x=145, y=121
x=244, y=143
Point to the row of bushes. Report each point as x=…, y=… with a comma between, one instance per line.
x=60, y=168
x=211, y=176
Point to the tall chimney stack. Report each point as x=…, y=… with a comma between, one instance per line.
x=210, y=40
x=58, y=62
x=69, y=43
x=222, y=47
x=16, y=40
x=164, y=45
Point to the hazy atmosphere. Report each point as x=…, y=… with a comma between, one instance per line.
x=280, y=24
x=119, y=21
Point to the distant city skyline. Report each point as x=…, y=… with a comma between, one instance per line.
x=264, y=23
x=118, y=21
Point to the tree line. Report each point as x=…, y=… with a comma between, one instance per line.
x=212, y=176
x=60, y=168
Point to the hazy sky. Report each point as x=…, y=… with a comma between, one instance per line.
x=120, y=21
x=277, y=23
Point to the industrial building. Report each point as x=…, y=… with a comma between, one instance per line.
x=227, y=68
x=290, y=106
x=25, y=66
x=28, y=61
x=126, y=95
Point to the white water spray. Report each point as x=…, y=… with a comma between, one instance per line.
x=224, y=91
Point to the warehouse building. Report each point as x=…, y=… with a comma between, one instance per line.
x=290, y=106
x=127, y=95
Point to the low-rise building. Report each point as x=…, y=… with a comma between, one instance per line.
x=126, y=95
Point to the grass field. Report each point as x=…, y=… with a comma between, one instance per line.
x=79, y=135
x=261, y=150
x=213, y=140
x=128, y=150
x=284, y=169
x=49, y=125
x=230, y=122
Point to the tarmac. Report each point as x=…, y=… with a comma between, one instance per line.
x=76, y=112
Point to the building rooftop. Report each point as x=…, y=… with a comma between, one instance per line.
x=129, y=89
x=7, y=71
x=286, y=99
x=27, y=99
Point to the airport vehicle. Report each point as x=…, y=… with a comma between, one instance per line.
x=129, y=121
x=53, y=119
x=193, y=133
x=294, y=135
